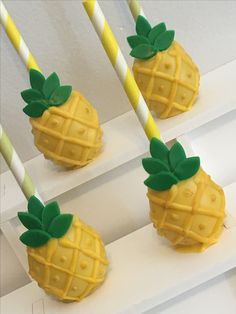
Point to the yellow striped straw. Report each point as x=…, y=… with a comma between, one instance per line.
x=16, y=39
x=16, y=166
x=118, y=61
x=135, y=8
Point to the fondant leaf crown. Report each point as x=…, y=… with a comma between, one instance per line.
x=44, y=93
x=168, y=167
x=43, y=223
x=149, y=40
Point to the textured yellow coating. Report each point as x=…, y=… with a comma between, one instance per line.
x=71, y=267
x=70, y=134
x=169, y=81
x=190, y=214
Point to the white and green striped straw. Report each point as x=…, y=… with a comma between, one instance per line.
x=135, y=8
x=16, y=166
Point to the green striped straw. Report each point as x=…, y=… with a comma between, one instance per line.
x=6, y=148
x=16, y=166
x=135, y=8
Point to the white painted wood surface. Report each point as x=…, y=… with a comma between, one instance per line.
x=215, y=296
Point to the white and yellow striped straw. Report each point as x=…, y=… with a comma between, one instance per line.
x=118, y=61
x=16, y=166
x=135, y=8
x=16, y=39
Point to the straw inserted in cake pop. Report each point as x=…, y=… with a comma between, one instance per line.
x=118, y=61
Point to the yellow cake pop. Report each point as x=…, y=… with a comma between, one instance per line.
x=66, y=257
x=64, y=124
x=165, y=74
x=187, y=207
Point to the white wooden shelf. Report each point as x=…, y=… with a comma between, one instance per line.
x=211, y=297
x=124, y=140
x=144, y=272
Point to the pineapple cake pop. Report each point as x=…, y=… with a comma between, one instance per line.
x=186, y=206
x=165, y=74
x=65, y=125
x=66, y=257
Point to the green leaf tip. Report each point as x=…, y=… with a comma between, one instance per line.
x=44, y=93
x=50, y=212
x=159, y=150
x=29, y=220
x=35, y=238
x=149, y=40
x=161, y=181
x=50, y=84
x=168, y=167
x=142, y=26
x=187, y=168
x=36, y=79
x=35, y=207
x=143, y=51
x=60, y=225
x=153, y=165
x=43, y=222
x=164, y=41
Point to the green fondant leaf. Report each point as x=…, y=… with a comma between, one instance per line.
x=161, y=181
x=159, y=150
x=50, y=84
x=30, y=95
x=35, y=109
x=152, y=165
x=143, y=51
x=50, y=211
x=35, y=207
x=60, y=95
x=35, y=238
x=187, y=168
x=36, y=79
x=142, y=26
x=164, y=41
x=29, y=220
x=60, y=225
x=156, y=31
x=137, y=40
x=176, y=155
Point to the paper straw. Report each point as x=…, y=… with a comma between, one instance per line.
x=115, y=55
x=16, y=166
x=16, y=39
x=135, y=8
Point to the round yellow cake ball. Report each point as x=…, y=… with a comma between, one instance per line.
x=165, y=74
x=186, y=206
x=69, y=135
x=65, y=125
x=71, y=267
x=66, y=257
x=189, y=214
x=169, y=82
